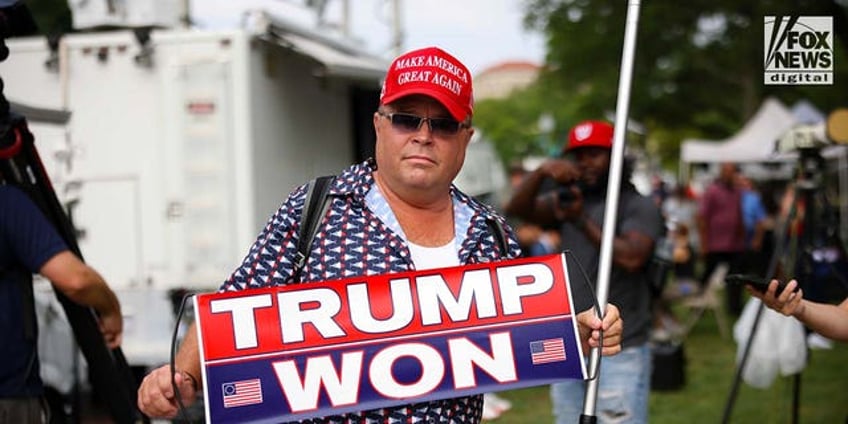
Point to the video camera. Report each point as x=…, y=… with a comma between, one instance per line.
x=823, y=264
x=808, y=141
x=817, y=136
x=803, y=137
x=566, y=193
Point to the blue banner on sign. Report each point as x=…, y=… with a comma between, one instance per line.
x=422, y=368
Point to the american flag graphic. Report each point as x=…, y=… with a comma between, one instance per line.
x=548, y=350
x=241, y=393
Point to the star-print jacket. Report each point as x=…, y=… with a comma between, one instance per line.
x=359, y=236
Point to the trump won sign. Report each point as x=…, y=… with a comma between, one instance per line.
x=306, y=350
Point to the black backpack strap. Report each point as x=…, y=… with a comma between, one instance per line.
x=314, y=208
x=499, y=233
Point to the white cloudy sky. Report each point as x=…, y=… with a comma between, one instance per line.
x=481, y=33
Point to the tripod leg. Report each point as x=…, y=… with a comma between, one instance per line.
x=722, y=323
x=796, y=397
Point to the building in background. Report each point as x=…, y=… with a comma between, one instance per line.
x=499, y=81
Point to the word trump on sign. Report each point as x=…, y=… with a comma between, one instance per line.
x=326, y=348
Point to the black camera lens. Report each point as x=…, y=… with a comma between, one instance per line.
x=566, y=194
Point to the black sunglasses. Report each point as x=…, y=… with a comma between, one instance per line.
x=408, y=122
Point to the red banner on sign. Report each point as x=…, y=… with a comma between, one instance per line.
x=330, y=347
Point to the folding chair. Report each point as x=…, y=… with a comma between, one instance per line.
x=708, y=299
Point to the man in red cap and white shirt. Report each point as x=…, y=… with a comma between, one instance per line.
x=394, y=213
x=571, y=193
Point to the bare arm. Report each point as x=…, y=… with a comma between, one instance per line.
x=630, y=250
x=85, y=286
x=703, y=233
x=825, y=319
x=528, y=204
x=156, y=396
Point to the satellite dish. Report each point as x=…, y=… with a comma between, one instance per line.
x=837, y=126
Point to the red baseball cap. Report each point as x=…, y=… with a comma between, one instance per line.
x=432, y=72
x=590, y=134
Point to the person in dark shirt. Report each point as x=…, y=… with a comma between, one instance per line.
x=570, y=193
x=30, y=245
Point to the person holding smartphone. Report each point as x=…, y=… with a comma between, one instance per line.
x=826, y=319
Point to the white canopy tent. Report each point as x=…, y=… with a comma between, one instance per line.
x=756, y=144
x=753, y=143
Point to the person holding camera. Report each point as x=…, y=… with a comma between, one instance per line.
x=570, y=192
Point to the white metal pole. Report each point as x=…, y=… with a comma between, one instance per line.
x=346, y=19
x=185, y=14
x=613, y=189
x=842, y=189
x=397, y=28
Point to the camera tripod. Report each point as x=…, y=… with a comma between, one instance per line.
x=807, y=248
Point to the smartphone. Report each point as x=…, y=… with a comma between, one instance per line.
x=759, y=284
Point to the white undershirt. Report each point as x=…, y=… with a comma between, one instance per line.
x=434, y=257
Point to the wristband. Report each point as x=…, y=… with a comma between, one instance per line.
x=191, y=378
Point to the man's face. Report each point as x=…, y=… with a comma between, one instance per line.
x=418, y=159
x=727, y=173
x=593, y=163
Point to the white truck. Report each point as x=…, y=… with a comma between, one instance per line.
x=180, y=145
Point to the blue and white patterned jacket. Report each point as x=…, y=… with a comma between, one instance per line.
x=360, y=236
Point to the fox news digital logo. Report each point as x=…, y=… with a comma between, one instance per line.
x=798, y=50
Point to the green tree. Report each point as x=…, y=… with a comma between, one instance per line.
x=512, y=123
x=698, y=69
x=51, y=16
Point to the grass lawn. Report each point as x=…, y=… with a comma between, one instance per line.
x=710, y=370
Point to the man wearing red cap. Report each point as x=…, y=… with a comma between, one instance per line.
x=394, y=213
x=570, y=193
